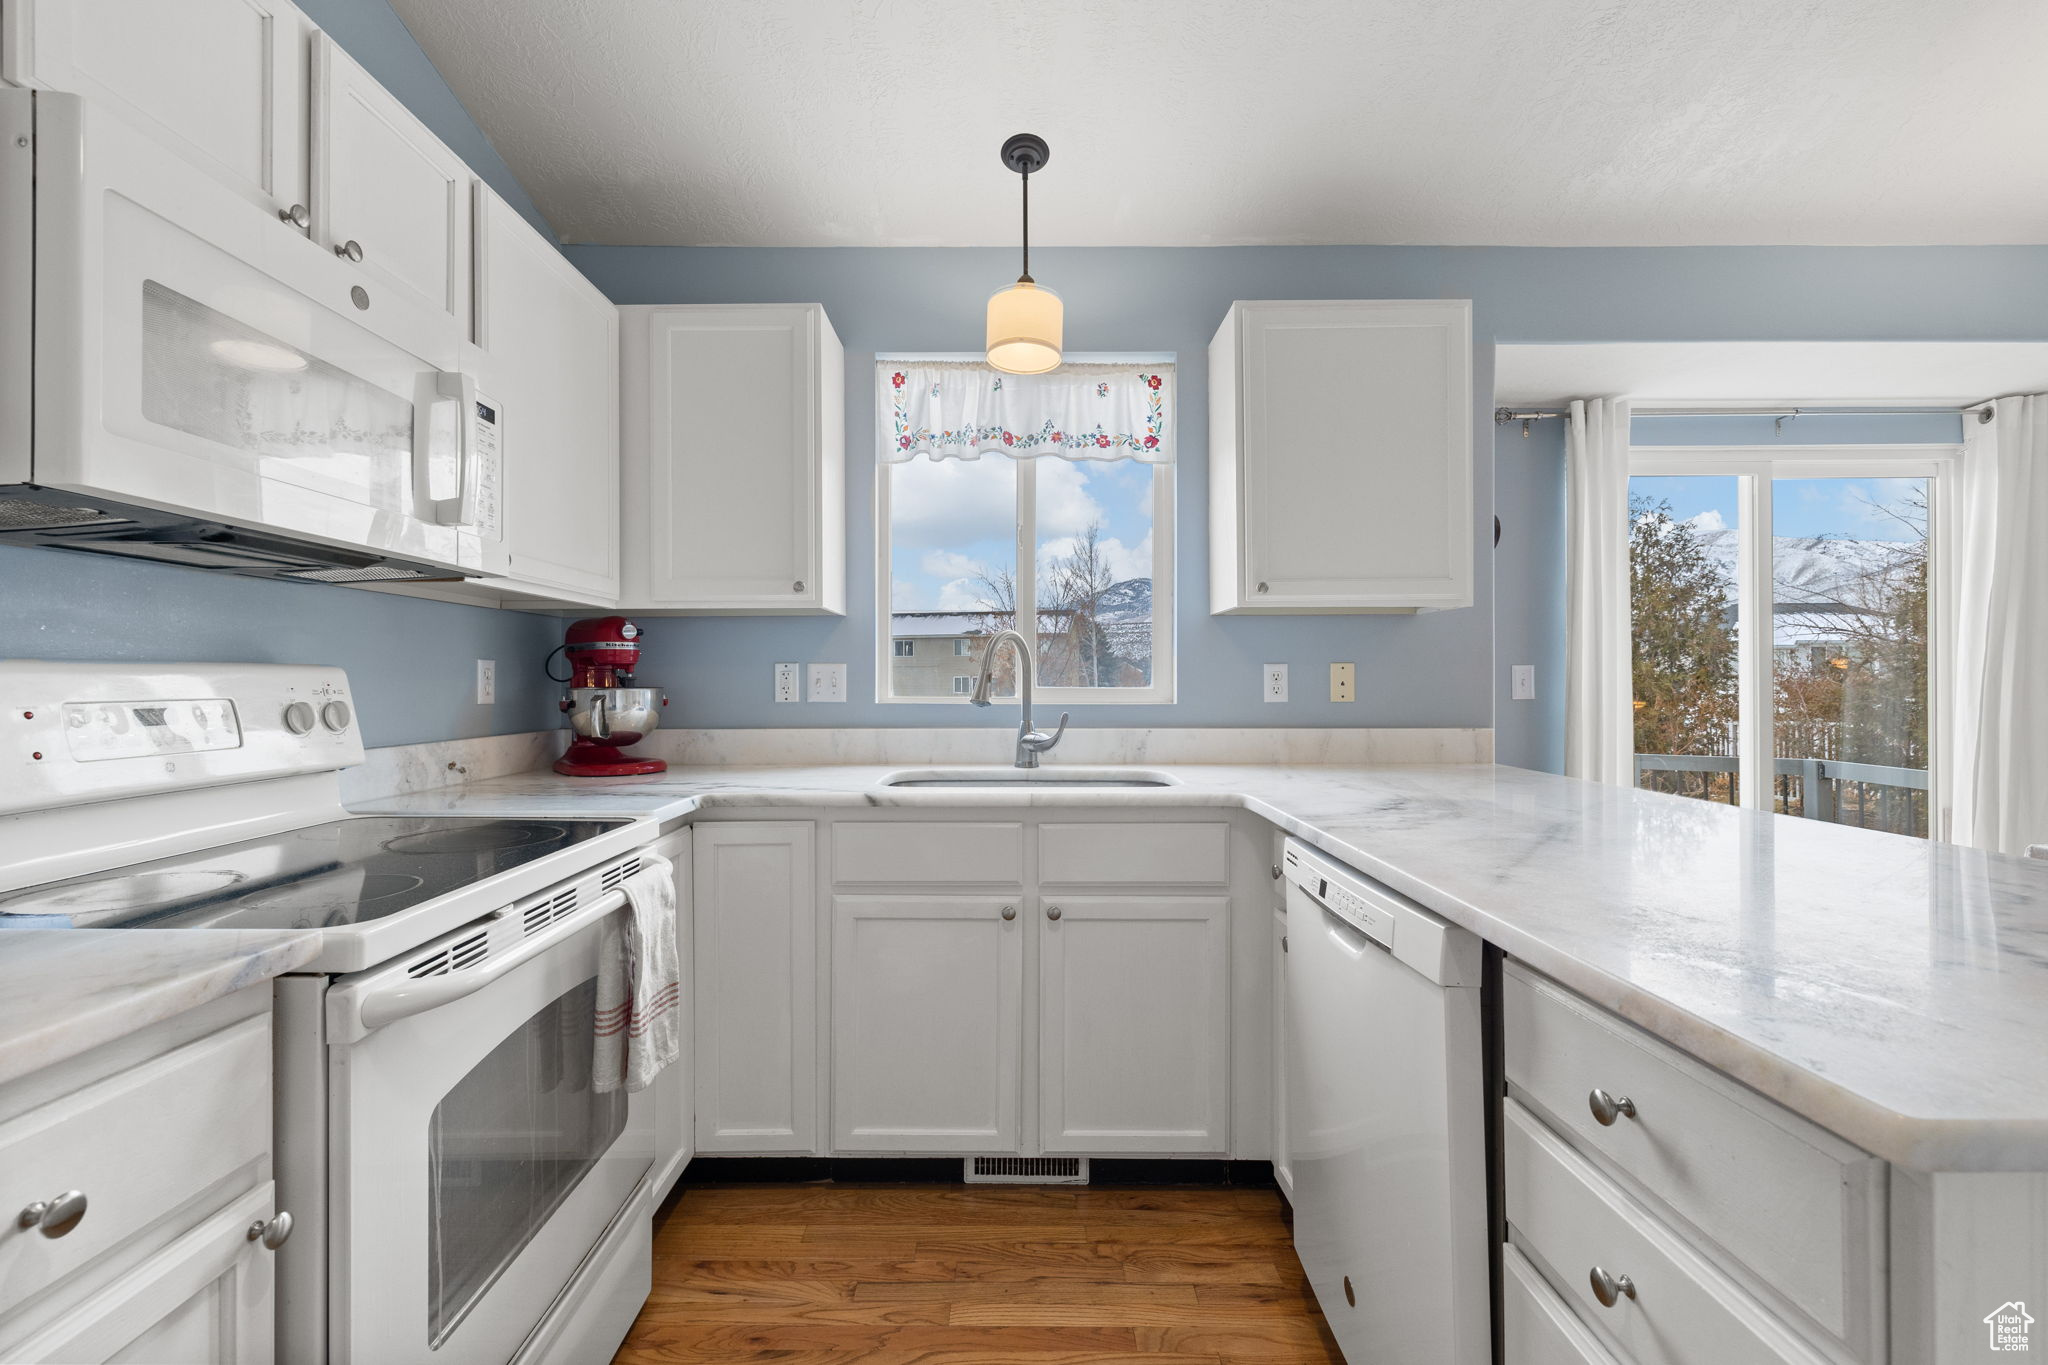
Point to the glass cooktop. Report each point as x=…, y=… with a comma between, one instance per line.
x=344, y=872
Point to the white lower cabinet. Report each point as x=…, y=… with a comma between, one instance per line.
x=755, y=975
x=1134, y=1024
x=927, y=1023
x=1538, y=1327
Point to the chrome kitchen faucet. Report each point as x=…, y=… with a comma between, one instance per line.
x=1030, y=742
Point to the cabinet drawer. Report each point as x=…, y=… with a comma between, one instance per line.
x=1572, y=1219
x=137, y=1144
x=1158, y=855
x=1799, y=1207
x=1538, y=1327
x=953, y=853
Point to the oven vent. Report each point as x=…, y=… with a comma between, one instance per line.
x=371, y=573
x=541, y=914
x=1026, y=1170
x=455, y=957
x=618, y=873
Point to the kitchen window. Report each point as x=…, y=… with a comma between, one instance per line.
x=1788, y=628
x=1056, y=490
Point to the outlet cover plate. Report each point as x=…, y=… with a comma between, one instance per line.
x=486, y=682
x=1343, y=682
x=786, y=686
x=1274, y=687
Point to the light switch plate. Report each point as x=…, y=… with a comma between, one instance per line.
x=828, y=682
x=1522, y=682
x=486, y=682
x=786, y=686
x=1343, y=682
x=1275, y=685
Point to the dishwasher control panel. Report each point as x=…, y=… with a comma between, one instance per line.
x=1441, y=951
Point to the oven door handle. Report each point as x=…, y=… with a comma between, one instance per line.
x=354, y=1015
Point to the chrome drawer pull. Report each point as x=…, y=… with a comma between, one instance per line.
x=1606, y=1108
x=1009, y=912
x=273, y=1231
x=55, y=1217
x=1611, y=1289
x=296, y=215
x=350, y=250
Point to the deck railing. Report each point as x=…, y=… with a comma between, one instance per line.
x=1872, y=795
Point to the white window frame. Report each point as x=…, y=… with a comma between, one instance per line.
x=958, y=679
x=1164, y=665
x=1754, y=468
x=902, y=649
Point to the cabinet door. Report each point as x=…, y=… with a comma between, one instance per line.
x=223, y=82
x=1134, y=1023
x=745, y=461
x=927, y=1023
x=382, y=181
x=206, y=1299
x=552, y=344
x=1283, y=1165
x=756, y=981
x=672, y=1089
x=1345, y=435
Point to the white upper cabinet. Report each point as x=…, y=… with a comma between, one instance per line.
x=222, y=82
x=735, y=460
x=1340, y=456
x=386, y=191
x=550, y=373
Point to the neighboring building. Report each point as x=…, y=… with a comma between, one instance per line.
x=938, y=653
x=935, y=653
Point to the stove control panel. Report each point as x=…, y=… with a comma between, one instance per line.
x=77, y=732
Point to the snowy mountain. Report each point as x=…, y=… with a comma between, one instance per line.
x=1127, y=601
x=1817, y=581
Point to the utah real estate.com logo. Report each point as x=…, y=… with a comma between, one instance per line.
x=2007, y=1325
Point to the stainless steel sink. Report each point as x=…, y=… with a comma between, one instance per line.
x=1058, y=779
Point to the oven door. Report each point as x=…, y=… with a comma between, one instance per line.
x=197, y=358
x=472, y=1165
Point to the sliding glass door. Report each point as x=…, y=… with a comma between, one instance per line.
x=1786, y=623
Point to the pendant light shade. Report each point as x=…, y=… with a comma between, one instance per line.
x=1026, y=325
x=1026, y=322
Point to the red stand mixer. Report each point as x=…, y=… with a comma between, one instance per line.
x=604, y=708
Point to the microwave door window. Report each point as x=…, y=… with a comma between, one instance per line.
x=507, y=1145
x=301, y=420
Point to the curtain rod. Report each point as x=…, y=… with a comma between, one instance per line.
x=1503, y=416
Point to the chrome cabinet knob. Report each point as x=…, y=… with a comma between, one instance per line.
x=1276, y=872
x=1009, y=912
x=272, y=1232
x=351, y=248
x=54, y=1217
x=1262, y=587
x=1052, y=912
x=797, y=586
x=1606, y=1108
x=1611, y=1289
x=296, y=215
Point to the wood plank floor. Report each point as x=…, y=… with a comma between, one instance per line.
x=988, y=1275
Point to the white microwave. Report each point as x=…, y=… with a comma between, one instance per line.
x=182, y=381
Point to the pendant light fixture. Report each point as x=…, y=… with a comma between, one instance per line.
x=1026, y=322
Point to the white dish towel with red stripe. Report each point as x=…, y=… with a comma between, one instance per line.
x=639, y=982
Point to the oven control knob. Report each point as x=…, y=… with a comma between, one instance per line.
x=298, y=717
x=334, y=716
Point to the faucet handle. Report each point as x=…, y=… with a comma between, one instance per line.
x=1041, y=741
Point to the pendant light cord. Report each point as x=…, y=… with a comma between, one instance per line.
x=1027, y=224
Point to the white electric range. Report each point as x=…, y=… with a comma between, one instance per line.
x=459, y=1189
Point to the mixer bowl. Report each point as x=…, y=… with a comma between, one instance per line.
x=614, y=715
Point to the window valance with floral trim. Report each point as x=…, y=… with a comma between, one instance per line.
x=947, y=410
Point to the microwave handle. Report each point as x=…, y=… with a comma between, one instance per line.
x=448, y=386
x=353, y=1016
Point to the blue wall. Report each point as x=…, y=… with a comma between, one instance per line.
x=1437, y=669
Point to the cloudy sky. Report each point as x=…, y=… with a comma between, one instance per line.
x=954, y=519
x=1852, y=509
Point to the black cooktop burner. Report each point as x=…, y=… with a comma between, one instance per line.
x=343, y=872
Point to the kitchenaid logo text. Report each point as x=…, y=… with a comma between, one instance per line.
x=2007, y=1325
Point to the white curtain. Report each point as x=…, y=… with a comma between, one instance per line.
x=1599, y=722
x=1998, y=722
x=946, y=410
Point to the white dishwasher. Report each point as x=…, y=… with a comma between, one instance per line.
x=1386, y=1118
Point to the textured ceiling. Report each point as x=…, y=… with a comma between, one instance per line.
x=1208, y=122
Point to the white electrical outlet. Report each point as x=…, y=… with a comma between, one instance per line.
x=486, y=681
x=786, y=683
x=1522, y=682
x=1343, y=682
x=1275, y=688
x=828, y=682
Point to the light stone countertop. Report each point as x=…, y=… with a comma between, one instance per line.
x=66, y=991
x=1892, y=990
